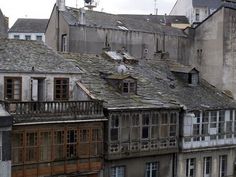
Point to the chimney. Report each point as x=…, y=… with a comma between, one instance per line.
x=61, y=5
x=82, y=19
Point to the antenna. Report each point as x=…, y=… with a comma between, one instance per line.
x=90, y=4
x=155, y=7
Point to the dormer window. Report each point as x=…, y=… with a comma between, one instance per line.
x=129, y=86
x=123, y=83
x=188, y=74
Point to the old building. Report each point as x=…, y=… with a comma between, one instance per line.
x=3, y=25
x=146, y=103
x=214, y=49
x=195, y=10
x=28, y=29
x=54, y=133
x=86, y=31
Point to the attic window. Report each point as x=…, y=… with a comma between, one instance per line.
x=193, y=78
x=129, y=86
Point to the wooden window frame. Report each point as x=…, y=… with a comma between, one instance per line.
x=130, y=84
x=61, y=89
x=5, y=88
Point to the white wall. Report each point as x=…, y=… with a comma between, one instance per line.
x=48, y=86
x=22, y=35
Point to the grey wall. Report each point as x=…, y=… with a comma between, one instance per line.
x=199, y=156
x=209, y=39
x=3, y=25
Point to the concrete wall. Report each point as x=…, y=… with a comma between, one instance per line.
x=136, y=167
x=48, y=84
x=199, y=156
x=22, y=35
x=53, y=31
x=209, y=40
x=92, y=40
x=229, y=49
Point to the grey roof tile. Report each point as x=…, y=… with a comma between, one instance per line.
x=27, y=25
x=157, y=86
x=21, y=56
x=106, y=20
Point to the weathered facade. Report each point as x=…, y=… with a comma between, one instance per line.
x=53, y=133
x=86, y=31
x=214, y=49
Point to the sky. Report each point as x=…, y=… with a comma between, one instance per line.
x=42, y=8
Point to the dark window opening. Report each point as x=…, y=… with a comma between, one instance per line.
x=61, y=89
x=12, y=87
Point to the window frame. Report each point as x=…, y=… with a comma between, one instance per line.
x=221, y=172
x=39, y=38
x=28, y=37
x=61, y=89
x=207, y=168
x=153, y=168
x=13, y=89
x=131, y=86
x=189, y=166
x=116, y=168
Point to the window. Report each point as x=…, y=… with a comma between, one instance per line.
x=197, y=15
x=213, y=119
x=125, y=127
x=84, y=142
x=114, y=133
x=135, y=132
x=193, y=78
x=39, y=38
x=96, y=144
x=207, y=166
x=190, y=167
x=173, y=121
x=58, y=144
x=223, y=166
x=17, y=147
x=16, y=37
x=118, y=171
x=164, y=125
x=31, y=146
x=61, y=89
x=71, y=143
x=64, y=43
x=221, y=124
x=27, y=37
x=129, y=86
x=151, y=169
x=12, y=87
x=145, y=126
x=45, y=146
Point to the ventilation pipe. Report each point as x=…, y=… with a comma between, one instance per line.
x=82, y=19
x=61, y=5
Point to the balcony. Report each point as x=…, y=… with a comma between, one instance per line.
x=54, y=108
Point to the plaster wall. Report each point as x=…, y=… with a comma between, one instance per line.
x=48, y=84
x=208, y=49
x=199, y=161
x=92, y=40
x=137, y=166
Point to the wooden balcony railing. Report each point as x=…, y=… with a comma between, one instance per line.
x=54, y=108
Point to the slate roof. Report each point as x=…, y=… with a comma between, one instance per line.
x=157, y=86
x=105, y=20
x=212, y=4
x=28, y=25
x=160, y=19
x=22, y=55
